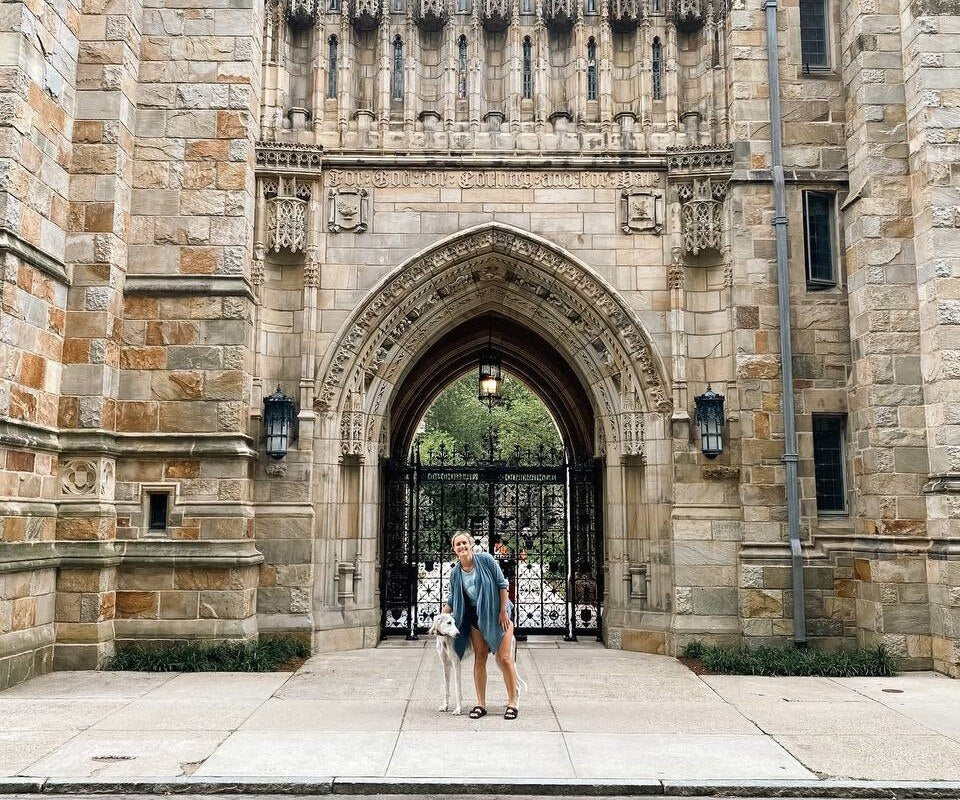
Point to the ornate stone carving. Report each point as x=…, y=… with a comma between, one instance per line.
x=636, y=578
x=276, y=469
x=347, y=210
x=708, y=158
x=87, y=477
x=560, y=14
x=366, y=14
x=625, y=15
x=689, y=15
x=487, y=266
x=430, y=15
x=676, y=272
x=301, y=14
x=701, y=215
x=287, y=202
x=642, y=211
x=286, y=157
x=496, y=14
x=79, y=478
x=489, y=179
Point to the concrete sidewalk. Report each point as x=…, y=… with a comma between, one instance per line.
x=590, y=713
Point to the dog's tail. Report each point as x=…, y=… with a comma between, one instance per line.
x=521, y=683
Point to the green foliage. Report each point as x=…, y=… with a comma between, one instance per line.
x=457, y=418
x=787, y=660
x=261, y=655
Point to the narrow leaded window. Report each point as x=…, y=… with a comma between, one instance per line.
x=461, y=6
x=398, y=5
x=526, y=6
x=462, y=67
x=396, y=88
x=819, y=250
x=657, y=6
x=332, y=68
x=814, y=38
x=527, y=68
x=657, y=58
x=334, y=5
x=828, y=462
x=591, y=6
x=591, y=69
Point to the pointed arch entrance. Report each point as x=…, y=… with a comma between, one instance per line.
x=534, y=508
x=599, y=372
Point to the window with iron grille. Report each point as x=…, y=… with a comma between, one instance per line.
x=527, y=68
x=657, y=59
x=396, y=88
x=332, y=68
x=462, y=67
x=814, y=35
x=591, y=69
x=828, y=463
x=818, y=235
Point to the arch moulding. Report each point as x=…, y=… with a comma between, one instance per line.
x=492, y=267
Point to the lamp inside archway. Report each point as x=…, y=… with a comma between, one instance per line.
x=490, y=378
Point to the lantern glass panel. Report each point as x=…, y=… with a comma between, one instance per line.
x=490, y=378
x=710, y=422
x=277, y=423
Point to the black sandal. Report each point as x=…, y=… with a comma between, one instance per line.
x=512, y=712
x=477, y=712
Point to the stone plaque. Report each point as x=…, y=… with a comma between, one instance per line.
x=642, y=211
x=348, y=210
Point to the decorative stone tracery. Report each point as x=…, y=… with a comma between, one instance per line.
x=301, y=14
x=560, y=14
x=496, y=14
x=430, y=15
x=366, y=14
x=689, y=15
x=287, y=200
x=492, y=267
x=701, y=215
x=625, y=15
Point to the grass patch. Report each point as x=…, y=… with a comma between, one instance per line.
x=263, y=655
x=787, y=660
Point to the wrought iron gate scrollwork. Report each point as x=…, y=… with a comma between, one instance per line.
x=533, y=510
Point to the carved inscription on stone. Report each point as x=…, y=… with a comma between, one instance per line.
x=642, y=212
x=347, y=210
x=490, y=179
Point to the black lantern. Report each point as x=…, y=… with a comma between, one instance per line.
x=490, y=379
x=277, y=423
x=710, y=420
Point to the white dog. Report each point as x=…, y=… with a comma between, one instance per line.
x=445, y=628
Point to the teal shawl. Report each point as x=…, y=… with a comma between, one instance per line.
x=490, y=581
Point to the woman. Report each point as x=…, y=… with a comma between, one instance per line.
x=478, y=601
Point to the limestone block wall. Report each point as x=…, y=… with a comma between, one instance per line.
x=27, y=599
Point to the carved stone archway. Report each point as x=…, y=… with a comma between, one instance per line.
x=503, y=272
x=501, y=268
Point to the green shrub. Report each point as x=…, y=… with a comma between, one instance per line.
x=787, y=660
x=261, y=655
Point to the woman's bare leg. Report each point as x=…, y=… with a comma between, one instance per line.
x=507, y=666
x=480, y=653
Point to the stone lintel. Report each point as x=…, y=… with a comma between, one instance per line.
x=599, y=162
x=28, y=556
x=792, y=176
x=159, y=445
x=10, y=242
x=27, y=436
x=200, y=285
x=945, y=483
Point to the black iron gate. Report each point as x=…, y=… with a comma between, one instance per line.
x=534, y=511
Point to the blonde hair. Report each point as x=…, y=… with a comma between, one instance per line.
x=458, y=534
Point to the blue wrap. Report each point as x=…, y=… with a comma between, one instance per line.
x=490, y=580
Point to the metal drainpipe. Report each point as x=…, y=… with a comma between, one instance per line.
x=786, y=348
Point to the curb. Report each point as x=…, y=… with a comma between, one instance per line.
x=296, y=786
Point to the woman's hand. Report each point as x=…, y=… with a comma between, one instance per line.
x=504, y=620
x=447, y=609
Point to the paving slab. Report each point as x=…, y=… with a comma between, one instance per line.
x=19, y=749
x=592, y=716
x=829, y=718
x=295, y=714
x=534, y=716
x=307, y=754
x=871, y=757
x=170, y=714
x=89, y=685
x=735, y=688
x=907, y=687
x=128, y=753
x=35, y=714
x=942, y=718
x=681, y=756
x=488, y=754
x=239, y=686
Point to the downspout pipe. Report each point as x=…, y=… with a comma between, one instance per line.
x=786, y=348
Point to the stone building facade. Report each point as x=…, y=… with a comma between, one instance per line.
x=201, y=201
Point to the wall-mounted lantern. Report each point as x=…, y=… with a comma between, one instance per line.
x=278, y=416
x=490, y=379
x=710, y=420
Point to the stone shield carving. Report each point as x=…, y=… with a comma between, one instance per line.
x=642, y=211
x=347, y=210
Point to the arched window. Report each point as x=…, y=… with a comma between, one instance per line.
x=657, y=69
x=462, y=67
x=332, y=67
x=591, y=6
x=527, y=68
x=396, y=84
x=591, y=69
x=657, y=6
x=334, y=5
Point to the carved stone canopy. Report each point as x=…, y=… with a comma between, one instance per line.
x=560, y=14
x=366, y=14
x=689, y=15
x=625, y=15
x=301, y=14
x=430, y=15
x=496, y=14
x=701, y=214
x=287, y=200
